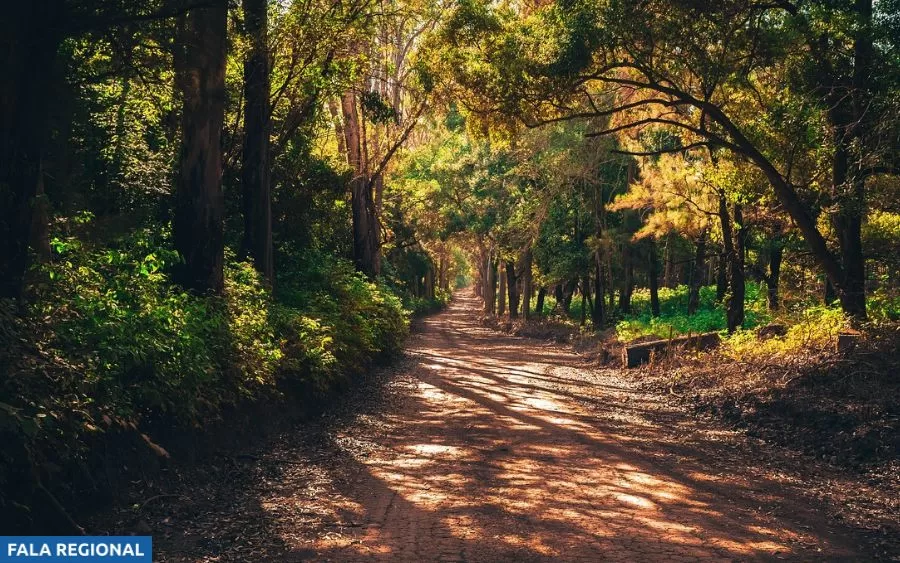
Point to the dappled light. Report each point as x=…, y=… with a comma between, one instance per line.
x=452, y=280
x=500, y=451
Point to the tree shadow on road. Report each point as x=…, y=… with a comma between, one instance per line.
x=491, y=458
x=478, y=448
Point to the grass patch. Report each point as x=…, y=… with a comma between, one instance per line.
x=674, y=320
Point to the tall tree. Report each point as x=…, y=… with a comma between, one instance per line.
x=256, y=187
x=366, y=238
x=199, y=204
x=30, y=34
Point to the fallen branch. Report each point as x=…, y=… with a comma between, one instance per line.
x=636, y=354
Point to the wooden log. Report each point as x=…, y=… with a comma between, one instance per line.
x=640, y=353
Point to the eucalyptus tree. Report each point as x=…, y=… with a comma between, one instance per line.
x=255, y=163
x=198, y=221
x=379, y=108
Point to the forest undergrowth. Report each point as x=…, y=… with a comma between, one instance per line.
x=111, y=355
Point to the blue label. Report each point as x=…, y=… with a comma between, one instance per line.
x=47, y=549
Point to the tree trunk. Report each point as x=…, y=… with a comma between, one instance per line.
x=539, y=305
x=490, y=284
x=772, y=279
x=598, y=313
x=527, y=289
x=727, y=257
x=585, y=291
x=653, y=275
x=364, y=233
x=429, y=283
x=735, y=301
x=501, y=297
x=696, y=279
x=200, y=208
x=512, y=289
x=830, y=295
x=610, y=290
x=847, y=222
x=627, y=281
x=634, y=355
x=568, y=293
x=667, y=263
x=256, y=186
x=365, y=228
x=586, y=286
x=30, y=39
x=376, y=194
x=853, y=296
x=559, y=296
x=849, y=123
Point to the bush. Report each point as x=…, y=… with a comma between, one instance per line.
x=419, y=306
x=144, y=346
x=808, y=328
x=110, y=342
x=883, y=306
x=141, y=345
x=361, y=319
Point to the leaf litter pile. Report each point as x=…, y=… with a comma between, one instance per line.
x=831, y=420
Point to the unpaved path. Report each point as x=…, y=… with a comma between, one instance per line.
x=488, y=447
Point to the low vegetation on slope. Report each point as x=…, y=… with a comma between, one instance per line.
x=110, y=344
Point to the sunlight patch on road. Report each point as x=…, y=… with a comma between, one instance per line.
x=636, y=501
x=435, y=449
x=494, y=453
x=542, y=404
x=533, y=543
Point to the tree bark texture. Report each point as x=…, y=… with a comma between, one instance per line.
x=501, y=297
x=735, y=302
x=256, y=187
x=199, y=207
x=512, y=289
x=527, y=289
x=365, y=227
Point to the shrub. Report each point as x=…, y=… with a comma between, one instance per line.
x=110, y=341
x=883, y=306
x=419, y=306
x=129, y=344
x=141, y=344
x=363, y=319
x=808, y=328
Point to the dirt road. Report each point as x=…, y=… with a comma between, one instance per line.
x=487, y=447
